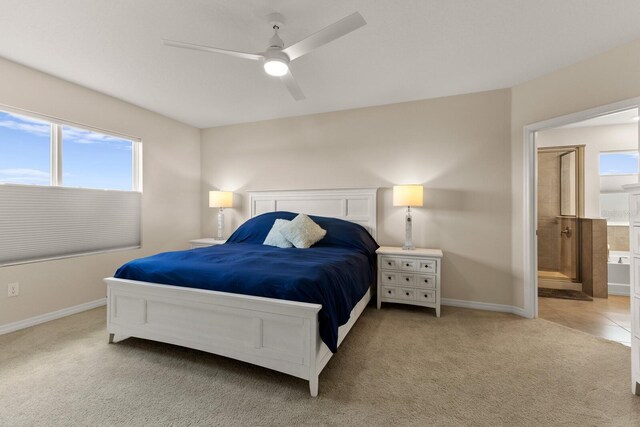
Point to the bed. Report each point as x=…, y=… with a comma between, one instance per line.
x=294, y=336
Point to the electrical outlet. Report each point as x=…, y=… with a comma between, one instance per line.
x=13, y=289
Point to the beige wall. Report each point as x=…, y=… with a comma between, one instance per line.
x=467, y=150
x=458, y=147
x=603, y=79
x=170, y=202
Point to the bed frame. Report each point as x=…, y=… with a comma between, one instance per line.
x=276, y=334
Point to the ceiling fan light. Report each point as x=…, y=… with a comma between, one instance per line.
x=276, y=67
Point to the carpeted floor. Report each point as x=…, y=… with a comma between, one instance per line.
x=399, y=366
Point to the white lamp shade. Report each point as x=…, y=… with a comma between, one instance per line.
x=407, y=195
x=220, y=199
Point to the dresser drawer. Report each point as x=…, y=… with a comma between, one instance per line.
x=635, y=239
x=426, y=296
x=407, y=279
x=635, y=315
x=389, y=291
x=426, y=281
x=406, y=294
x=634, y=207
x=635, y=272
x=388, y=277
x=408, y=264
x=428, y=266
x=388, y=263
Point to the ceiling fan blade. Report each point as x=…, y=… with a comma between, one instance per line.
x=184, y=45
x=326, y=35
x=292, y=85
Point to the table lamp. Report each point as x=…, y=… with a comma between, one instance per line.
x=220, y=199
x=407, y=195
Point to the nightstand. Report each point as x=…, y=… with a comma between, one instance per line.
x=409, y=276
x=203, y=243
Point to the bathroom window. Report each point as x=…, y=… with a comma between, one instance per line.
x=617, y=168
x=619, y=163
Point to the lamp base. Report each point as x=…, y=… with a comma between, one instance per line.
x=408, y=241
x=220, y=225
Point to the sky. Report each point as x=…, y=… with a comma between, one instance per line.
x=89, y=159
x=619, y=163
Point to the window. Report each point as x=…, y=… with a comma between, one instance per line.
x=84, y=158
x=57, y=183
x=617, y=168
x=95, y=160
x=618, y=162
x=24, y=150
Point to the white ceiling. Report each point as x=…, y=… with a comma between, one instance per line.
x=626, y=117
x=410, y=49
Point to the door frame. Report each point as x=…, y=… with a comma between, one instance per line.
x=530, y=190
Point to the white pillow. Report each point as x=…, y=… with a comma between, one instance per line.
x=302, y=231
x=275, y=238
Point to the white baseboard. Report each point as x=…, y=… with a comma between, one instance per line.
x=619, y=289
x=477, y=305
x=32, y=321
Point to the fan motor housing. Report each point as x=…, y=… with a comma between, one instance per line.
x=276, y=54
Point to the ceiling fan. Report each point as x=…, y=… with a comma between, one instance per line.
x=276, y=58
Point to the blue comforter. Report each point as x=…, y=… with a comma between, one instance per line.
x=334, y=275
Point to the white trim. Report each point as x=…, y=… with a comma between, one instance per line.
x=530, y=260
x=73, y=255
x=56, y=155
x=59, y=121
x=33, y=321
x=487, y=306
x=620, y=289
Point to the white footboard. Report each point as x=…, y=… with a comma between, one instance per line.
x=276, y=334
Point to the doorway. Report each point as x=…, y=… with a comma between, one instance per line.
x=560, y=207
x=581, y=209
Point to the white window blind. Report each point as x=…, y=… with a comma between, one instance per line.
x=38, y=223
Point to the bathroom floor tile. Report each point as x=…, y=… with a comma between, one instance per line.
x=609, y=318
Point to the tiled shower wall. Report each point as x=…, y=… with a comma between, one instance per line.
x=618, y=237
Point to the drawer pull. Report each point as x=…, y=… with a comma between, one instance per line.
x=408, y=265
x=388, y=292
x=407, y=279
x=407, y=293
x=389, y=263
x=426, y=296
x=426, y=280
x=388, y=277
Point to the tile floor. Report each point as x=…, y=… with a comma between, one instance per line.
x=608, y=318
x=544, y=274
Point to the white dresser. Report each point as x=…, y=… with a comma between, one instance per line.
x=409, y=276
x=634, y=246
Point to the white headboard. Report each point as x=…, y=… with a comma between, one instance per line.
x=351, y=204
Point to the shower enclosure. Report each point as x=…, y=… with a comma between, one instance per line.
x=560, y=205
